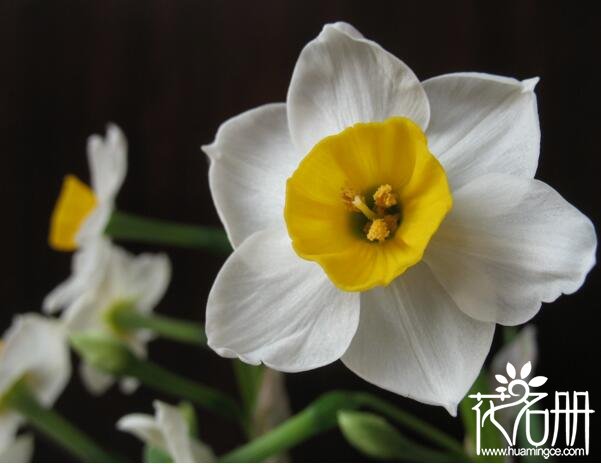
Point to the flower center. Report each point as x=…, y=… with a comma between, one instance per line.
x=75, y=203
x=365, y=203
x=382, y=220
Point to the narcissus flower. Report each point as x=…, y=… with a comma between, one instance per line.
x=34, y=350
x=386, y=221
x=106, y=278
x=82, y=213
x=169, y=431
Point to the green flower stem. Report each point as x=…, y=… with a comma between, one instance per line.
x=509, y=334
x=130, y=227
x=411, y=422
x=55, y=427
x=321, y=415
x=160, y=379
x=126, y=318
x=316, y=418
x=249, y=379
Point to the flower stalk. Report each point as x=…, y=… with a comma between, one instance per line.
x=125, y=318
x=411, y=422
x=130, y=227
x=321, y=415
x=160, y=379
x=54, y=426
x=112, y=356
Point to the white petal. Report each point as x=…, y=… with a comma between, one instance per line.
x=348, y=29
x=21, y=450
x=122, y=276
x=509, y=244
x=95, y=381
x=87, y=271
x=413, y=340
x=95, y=224
x=107, y=158
x=251, y=158
x=483, y=124
x=143, y=278
x=340, y=79
x=36, y=346
x=145, y=428
x=176, y=432
x=268, y=305
x=202, y=452
x=9, y=425
x=129, y=385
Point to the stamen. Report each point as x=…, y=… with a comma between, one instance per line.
x=384, y=197
x=361, y=206
x=381, y=223
x=378, y=230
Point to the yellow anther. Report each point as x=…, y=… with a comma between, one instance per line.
x=384, y=197
x=75, y=202
x=361, y=206
x=378, y=230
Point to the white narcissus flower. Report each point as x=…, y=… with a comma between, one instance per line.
x=82, y=213
x=105, y=277
x=168, y=431
x=34, y=350
x=386, y=221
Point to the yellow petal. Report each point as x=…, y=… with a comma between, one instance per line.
x=389, y=157
x=75, y=202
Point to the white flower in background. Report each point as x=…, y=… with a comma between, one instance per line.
x=168, y=431
x=338, y=203
x=33, y=350
x=105, y=277
x=520, y=351
x=82, y=213
x=20, y=450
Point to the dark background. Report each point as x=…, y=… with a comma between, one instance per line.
x=169, y=72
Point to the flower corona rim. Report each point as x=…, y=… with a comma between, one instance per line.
x=364, y=203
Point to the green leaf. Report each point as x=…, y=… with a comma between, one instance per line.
x=154, y=454
x=375, y=437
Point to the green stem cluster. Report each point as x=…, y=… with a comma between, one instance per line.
x=165, y=381
x=321, y=415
